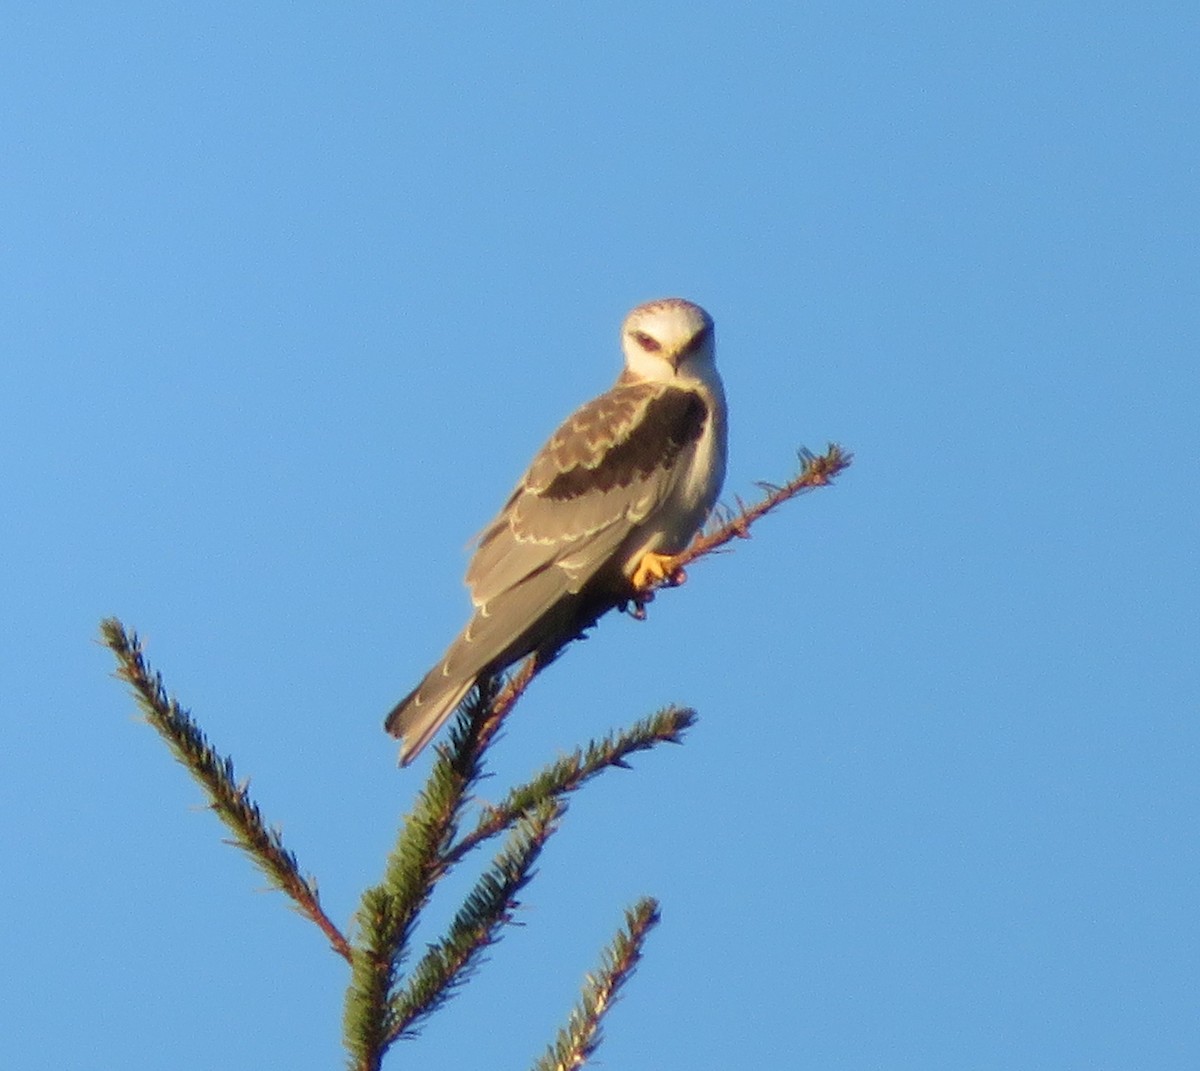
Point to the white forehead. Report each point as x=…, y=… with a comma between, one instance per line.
x=670, y=318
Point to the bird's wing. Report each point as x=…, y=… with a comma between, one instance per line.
x=601, y=475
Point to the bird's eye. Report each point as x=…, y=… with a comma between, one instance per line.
x=649, y=344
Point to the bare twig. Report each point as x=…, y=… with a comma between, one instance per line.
x=816, y=470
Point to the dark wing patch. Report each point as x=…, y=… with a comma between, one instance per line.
x=599, y=475
x=670, y=421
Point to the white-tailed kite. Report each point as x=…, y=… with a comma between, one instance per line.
x=624, y=484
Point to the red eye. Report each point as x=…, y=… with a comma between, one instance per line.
x=650, y=345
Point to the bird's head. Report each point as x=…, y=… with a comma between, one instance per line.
x=668, y=340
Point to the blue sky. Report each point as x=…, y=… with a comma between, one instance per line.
x=291, y=294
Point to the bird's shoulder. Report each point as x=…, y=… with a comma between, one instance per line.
x=614, y=440
x=605, y=468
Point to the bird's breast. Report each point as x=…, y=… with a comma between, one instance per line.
x=681, y=514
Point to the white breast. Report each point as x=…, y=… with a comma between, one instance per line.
x=679, y=517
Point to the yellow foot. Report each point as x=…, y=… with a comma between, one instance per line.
x=656, y=569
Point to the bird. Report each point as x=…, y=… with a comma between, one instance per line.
x=624, y=484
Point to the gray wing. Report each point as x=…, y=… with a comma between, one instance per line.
x=597, y=480
x=601, y=475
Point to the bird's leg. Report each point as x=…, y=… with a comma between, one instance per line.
x=656, y=570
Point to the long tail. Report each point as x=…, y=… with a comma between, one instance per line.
x=513, y=624
x=419, y=715
x=512, y=627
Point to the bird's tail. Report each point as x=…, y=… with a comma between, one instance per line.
x=416, y=719
x=516, y=622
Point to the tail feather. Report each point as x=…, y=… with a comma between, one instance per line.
x=420, y=714
x=514, y=624
x=416, y=719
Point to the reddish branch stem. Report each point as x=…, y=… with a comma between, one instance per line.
x=816, y=471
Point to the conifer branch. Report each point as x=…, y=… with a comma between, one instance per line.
x=382, y=1005
x=390, y=910
x=490, y=905
x=570, y=773
x=577, y=1041
x=231, y=801
x=367, y=1016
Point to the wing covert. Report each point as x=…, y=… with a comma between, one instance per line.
x=601, y=474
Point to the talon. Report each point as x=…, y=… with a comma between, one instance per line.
x=655, y=569
x=635, y=605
